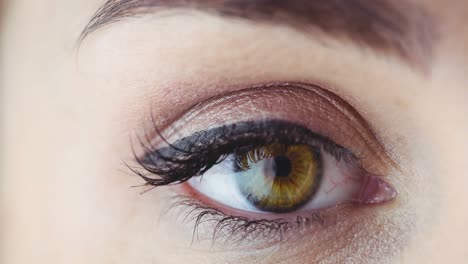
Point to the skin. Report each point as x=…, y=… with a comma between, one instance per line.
x=68, y=114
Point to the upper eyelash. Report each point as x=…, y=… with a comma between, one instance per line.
x=253, y=157
x=193, y=155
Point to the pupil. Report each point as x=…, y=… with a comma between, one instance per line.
x=282, y=166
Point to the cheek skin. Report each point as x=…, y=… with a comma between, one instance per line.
x=359, y=235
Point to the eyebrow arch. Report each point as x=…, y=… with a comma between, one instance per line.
x=399, y=28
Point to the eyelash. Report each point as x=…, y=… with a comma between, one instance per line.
x=192, y=156
x=237, y=229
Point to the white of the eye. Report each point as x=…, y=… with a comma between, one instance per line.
x=339, y=184
x=219, y=183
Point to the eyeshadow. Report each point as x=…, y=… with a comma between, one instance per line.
x=307, y=105
x=260, y=114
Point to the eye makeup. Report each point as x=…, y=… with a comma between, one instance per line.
x=199, y=139
x=306, y=105
x=230, y=228
x=196, y=154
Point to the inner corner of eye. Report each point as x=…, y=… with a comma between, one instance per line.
x=285, y=178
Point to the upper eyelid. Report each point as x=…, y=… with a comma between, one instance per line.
x=314, y=221
x=323, y=99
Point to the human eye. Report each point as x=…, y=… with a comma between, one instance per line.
x=269, y=161
x=287, y=169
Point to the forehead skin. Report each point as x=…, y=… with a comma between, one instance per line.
x=67, y=114
x=402, y=29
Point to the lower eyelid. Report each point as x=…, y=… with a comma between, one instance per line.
x=374, y=190
x=338, y=235
x=186, y=191
x=228, y=230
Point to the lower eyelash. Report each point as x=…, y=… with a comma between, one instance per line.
x=237, y=230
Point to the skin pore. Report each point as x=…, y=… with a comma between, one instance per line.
x=69, y=113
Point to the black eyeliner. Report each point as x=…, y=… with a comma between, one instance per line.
x=193, y=155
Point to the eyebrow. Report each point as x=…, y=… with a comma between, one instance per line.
x=399, y=28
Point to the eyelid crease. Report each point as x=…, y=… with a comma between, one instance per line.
x=321, y=99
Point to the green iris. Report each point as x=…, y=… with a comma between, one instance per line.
x=279, y=178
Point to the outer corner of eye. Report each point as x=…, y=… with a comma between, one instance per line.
x=375, y=190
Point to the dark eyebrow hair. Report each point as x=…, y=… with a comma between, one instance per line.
x=396, y=27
